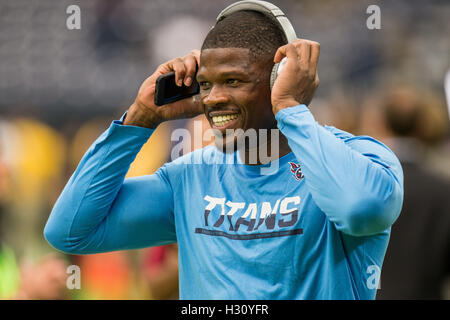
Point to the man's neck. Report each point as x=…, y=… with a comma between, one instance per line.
x=267, y=152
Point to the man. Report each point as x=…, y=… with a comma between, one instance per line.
x=317, y=228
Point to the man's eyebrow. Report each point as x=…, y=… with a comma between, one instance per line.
x=227, y=73
x=233, y=73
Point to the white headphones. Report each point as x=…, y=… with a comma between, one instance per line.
x=269, y=10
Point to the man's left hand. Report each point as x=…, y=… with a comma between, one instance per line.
x=298, y=80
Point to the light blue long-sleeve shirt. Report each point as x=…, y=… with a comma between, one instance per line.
x=317, y=228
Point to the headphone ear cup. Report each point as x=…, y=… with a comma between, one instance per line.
x=276, y=71
x=273, y=74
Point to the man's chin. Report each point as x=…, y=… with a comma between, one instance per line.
x=226, y=144
x=236, y=141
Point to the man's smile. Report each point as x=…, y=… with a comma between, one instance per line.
x=224, y=119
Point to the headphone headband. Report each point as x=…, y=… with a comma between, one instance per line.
x=267, y=9
x=271, y=11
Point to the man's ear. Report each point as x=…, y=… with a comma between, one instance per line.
x=265, y=66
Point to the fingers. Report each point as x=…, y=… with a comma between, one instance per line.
x=315, y=51
x=178, y=66
x=191, y=67
x=185, y=67
x=287, y=50
x=305, y=52
x=196, y=55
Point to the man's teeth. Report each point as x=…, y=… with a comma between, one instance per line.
x=223, y=120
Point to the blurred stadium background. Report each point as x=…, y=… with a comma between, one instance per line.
x=60, y=88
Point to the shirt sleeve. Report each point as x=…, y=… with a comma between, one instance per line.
x=99, y=210
x=355, y=180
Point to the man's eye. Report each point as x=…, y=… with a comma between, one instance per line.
x=233, y=82
x=204, y=85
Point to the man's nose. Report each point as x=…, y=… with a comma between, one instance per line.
x=215, y=97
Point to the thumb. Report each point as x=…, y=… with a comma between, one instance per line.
x=287, y=50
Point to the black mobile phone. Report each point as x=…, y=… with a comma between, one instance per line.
x=167, y=91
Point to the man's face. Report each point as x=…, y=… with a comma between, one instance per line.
x=235, y=91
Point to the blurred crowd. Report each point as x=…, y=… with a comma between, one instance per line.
x=60, y=89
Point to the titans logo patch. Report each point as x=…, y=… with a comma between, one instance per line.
x=296, y=171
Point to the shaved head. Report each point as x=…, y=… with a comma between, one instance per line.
x=250, y=30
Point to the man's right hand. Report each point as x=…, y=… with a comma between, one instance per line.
x=144, y=113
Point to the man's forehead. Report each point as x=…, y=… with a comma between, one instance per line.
x=226, y=57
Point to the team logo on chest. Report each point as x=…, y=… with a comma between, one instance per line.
x=296, y=171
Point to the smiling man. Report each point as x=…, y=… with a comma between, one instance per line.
x=317, y=228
